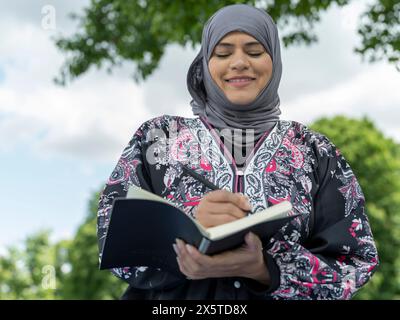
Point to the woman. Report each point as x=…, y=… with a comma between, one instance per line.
x=328, y=252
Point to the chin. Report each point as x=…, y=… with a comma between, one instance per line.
x=240, y=100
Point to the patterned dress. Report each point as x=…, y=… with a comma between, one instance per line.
x=327, y=252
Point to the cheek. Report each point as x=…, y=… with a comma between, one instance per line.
x=211, y=68
x=265, y=73
x=266, y=68
x=216, y=70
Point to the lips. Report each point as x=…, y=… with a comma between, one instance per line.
x=239, y=79
x=240, y=82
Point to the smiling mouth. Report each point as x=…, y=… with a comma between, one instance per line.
x=239, y=80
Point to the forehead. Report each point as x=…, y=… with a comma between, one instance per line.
x=238, y=38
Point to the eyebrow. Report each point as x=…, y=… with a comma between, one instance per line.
x=230, y=45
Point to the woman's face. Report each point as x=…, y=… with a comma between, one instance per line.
x=240, y=66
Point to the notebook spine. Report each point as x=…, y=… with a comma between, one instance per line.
x=204, y=244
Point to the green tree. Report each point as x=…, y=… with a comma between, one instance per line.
x=33, y=270
x=375, y=161
x=113, y=31
x=85, y=280
x=380, y=32
x=26, y=271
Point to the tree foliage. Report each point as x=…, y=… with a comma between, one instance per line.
x=380, y=32
x=74, y=263
x=374, y=158
x=113, y=31
x=33, y=271
x=375, y=161
x=85, y=280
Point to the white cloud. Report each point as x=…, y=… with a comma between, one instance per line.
x=94, y=117
x=32, y=13
x=329, y=79
x=91, y=120
x=329, y=62
x=166, y=89
x=372, y=93
x=16, y=129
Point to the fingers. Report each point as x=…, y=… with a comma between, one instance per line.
x=253, y=242
x=218, y=219
x=228, y=209
x=186, y=264
x=195, y=265
x=237, y=199
x=191, y=262
x=217, y=213
x=221, y=206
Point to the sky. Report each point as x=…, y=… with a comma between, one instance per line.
x=58, y=145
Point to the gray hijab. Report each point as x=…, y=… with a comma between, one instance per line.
x=209, y=101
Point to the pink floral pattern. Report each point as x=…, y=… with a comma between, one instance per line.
x=330, y=260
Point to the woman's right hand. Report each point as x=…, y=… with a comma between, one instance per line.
x=221, y=206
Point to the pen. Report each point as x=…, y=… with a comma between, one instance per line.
x=203, y=180
x=200, y=178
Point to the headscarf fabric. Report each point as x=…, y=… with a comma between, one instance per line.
x=209, y=101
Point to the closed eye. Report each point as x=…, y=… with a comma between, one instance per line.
x=257, y=54
x=222, y=55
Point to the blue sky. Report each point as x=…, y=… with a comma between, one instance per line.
x=44, y=193
x=1, y=75
x=58, y=145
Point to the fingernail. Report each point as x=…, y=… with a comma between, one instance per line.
x=247, y=201
x=248, y=205
x=189, y=248
x=175, y=249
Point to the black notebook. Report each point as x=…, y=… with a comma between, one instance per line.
x=143, y=226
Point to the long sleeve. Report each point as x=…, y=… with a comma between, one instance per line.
x=131, y=169
x=340, y=256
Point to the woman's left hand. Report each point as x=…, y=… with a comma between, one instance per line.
x=246, y=261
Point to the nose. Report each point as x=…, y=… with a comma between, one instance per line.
x=239, y=62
